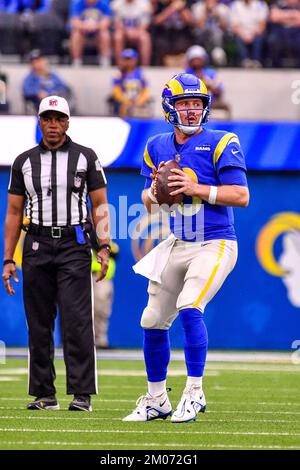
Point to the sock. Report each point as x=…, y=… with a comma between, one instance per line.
x=157, y=388
x=156, y=354
x=195, y=341
x=197, y=381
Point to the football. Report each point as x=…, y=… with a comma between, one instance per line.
x=162, y=190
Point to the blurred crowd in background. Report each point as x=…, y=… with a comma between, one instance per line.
x=193, y=35
x=246, y=33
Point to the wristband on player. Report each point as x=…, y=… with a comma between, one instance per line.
x=151, y=196
x=213, y=192
x=8, y=261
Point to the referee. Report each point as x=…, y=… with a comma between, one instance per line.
x=51, y=183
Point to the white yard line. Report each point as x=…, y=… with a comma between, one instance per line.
x=5, y=378
x=211, y=370
x=157, y=431
x=212, y=402
x=124, y=410
x=148, y=444
x=203, y=421
x=110, y=372
x=213, y=356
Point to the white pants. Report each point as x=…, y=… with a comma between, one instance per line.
x=193, y=275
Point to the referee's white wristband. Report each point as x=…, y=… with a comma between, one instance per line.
x=213, y=192
x=151, y=196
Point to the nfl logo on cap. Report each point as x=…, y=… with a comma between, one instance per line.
x=54, y=103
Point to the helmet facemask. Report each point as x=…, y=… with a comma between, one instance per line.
x=184, y=86
x=173, y=115
x=193, y=127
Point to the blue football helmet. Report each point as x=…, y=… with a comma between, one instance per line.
x=180, y=86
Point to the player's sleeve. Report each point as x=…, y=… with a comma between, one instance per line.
x=16, y=182
x=228, y=153
x=233, y=175
x=149, y=161
x=95, y=175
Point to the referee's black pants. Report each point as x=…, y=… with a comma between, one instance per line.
x=58, y=272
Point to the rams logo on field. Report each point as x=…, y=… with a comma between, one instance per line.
x=287, y=266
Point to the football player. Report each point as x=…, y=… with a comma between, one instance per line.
x=190, y=266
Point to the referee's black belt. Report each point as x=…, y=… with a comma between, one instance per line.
x=52, y=232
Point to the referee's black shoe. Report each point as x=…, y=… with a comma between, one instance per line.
x=44, y=403
x=81, y=403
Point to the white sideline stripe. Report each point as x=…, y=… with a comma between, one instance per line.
x=213, y=402
x=57, y=418
x=213, y=356
x=113, y=372
x=23, y=408
x=148, y=444
x=211, y=369
x=218, y=388
x=157, y=431
x=124, y=410
x=6, y=378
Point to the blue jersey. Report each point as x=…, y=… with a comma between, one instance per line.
x=131, y=83
x=87, y=10
x=203, y=156
x=52, y=84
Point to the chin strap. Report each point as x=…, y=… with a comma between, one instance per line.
x=189, y=130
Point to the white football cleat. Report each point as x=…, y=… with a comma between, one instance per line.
x=149, y=408
x=192, y=402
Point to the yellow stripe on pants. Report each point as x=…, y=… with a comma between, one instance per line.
x=212, y=276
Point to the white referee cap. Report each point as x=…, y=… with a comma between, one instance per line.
x=54, y=103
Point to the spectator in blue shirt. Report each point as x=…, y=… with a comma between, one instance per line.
x=90, y=21
x=41, y=82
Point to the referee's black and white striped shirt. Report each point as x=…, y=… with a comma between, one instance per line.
x=56, y=183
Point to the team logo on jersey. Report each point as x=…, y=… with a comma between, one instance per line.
x=203, y=147
x=287, y=265
x=77, y=181
x=35, y=246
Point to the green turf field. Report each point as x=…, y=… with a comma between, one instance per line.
x=249, y=406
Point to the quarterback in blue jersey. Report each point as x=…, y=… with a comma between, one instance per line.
x=187, y=269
